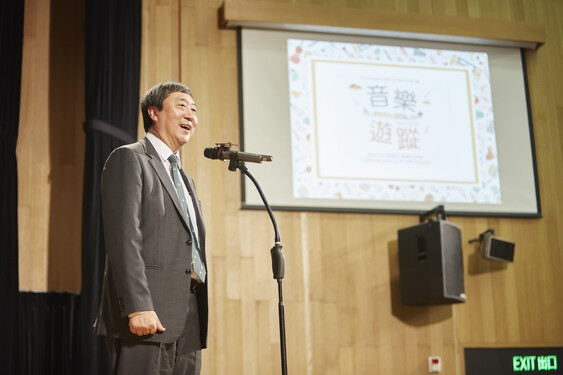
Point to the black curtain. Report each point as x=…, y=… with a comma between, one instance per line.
x=112, y=48
x=11, y=42
x=47, y=330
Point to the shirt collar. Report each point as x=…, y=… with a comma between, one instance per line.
x=161, y=148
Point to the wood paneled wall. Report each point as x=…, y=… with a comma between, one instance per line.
x=50, y=148
x=341, y=287
x=343, y=314
x=32, y=151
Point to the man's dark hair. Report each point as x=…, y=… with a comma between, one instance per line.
x=155, y=98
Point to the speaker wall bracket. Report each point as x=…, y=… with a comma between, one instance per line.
x=438, y=211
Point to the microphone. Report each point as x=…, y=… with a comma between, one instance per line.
x=222, y=152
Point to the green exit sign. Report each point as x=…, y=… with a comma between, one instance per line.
x=532, y=362
x=513, y=361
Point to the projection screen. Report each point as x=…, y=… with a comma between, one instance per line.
x=386, y=125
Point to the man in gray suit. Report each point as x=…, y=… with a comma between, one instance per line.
x=154, y=300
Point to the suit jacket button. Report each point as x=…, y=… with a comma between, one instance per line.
x=188, y=271
x=189, y=242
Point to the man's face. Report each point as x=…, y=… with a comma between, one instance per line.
x=177, y=120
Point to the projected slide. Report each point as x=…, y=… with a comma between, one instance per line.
x=372, y=122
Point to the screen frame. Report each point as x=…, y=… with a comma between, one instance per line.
x=415, y=211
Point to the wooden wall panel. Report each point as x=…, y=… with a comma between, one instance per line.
x=334, y=19
x=66, y=144
x=50, y=148
x=343, y=314
x=160, y=49
x=34, y=185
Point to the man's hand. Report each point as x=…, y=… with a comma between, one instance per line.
x=145, y=323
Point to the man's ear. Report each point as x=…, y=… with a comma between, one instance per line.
x=153, y=113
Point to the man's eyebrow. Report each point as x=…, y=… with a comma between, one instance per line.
x=186, y=101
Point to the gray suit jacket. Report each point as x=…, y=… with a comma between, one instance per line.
x=148, y=246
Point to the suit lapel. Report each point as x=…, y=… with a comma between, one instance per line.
x=156, y=163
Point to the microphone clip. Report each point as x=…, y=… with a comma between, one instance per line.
x=226, y=147
x=222, y=147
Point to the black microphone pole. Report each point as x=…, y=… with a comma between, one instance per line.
x=278, y=260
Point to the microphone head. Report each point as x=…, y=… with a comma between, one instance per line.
x=211, y=153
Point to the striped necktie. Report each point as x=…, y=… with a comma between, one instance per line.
x=197, y=265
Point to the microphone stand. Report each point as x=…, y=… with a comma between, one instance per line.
x=278, y=259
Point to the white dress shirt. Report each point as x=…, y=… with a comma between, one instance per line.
x=164, y=152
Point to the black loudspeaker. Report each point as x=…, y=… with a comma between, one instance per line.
x=431, y=264
x=495, y=248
